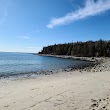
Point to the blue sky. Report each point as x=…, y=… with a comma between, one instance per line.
x=28, y=25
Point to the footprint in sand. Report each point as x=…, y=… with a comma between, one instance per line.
x=6, y=105
x=34, y=88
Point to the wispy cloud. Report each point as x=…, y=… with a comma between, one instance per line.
x=26, y=37
x=23, y=37
x=91, y=8
x=4, y=4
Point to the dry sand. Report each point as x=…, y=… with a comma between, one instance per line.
x=61, y=91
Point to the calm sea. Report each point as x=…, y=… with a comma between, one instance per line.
x=15, y=63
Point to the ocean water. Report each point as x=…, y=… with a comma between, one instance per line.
x=15, y=63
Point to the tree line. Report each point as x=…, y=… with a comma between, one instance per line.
x=81, y=49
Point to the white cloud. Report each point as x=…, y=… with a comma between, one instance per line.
x=26, y=37
x=23, y=37
x=4, y=5
x=91, y=8
x=3, y=11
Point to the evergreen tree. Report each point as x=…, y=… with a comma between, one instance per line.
x=82, y=49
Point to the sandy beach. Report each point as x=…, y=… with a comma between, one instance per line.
x=73, y=90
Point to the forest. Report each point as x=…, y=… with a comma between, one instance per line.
x=100, y=48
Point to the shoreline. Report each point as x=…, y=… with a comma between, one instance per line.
x=90, y=65
x=96, y=64
x=66, y=90
x=91, y=59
